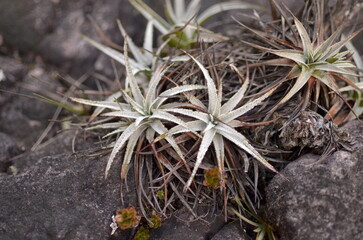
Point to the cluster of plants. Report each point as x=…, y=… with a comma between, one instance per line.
x=199, y=118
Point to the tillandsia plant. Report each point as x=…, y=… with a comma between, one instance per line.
x=142, y=113
x=218, y=121
x=314, y=64
x=183, y=26
x=219, y=109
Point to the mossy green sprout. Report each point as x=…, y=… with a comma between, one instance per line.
x=155, y=220
x=212, y=178
x=142, y=234
x=127, y=218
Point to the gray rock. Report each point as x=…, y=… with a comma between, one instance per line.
x=321, y=201
x=62, y=143
x=65, y=47
x=21, y=117
x=13, y=70
x=52, y=28
x=8, y=149
x=231, y=231
x=61, y=197
x=20, y=127
x=23, y=23
x=182, y=225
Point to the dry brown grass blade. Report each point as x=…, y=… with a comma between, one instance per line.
x=349, y=82
x=103, y=37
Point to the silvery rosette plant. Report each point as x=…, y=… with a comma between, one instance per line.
x=201, y=124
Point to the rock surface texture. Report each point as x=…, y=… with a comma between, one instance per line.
x=63, y=196
x=231, y=231
x=52, y=28
x=320, y=201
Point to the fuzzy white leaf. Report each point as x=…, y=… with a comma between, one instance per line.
x=300, y=82
x=237, y=97
x=225, y=6
x=293, y=55
x=195, y=101
x=159, y=127
x=193, y=126
x=139, y=120
x=138, y=55
x=151, y=15
x=180, y=89
x=174, y=105
x=218, y=144
x=214, y=101
x=242, y=142
x=245, y=108
x=130, y=150
x=124, y=114
x=335, y=48
x=150, y=134
x=107, y=125
x=103, y=104
x=323, y=49
x=341, y=55
x=204, y=145
x=344, y=64
x=209, y=126
x=154, y=82
x=183, y=58
x=350, y=88
x=164, y=115
x=111, y=98
x=307, y=46
x=169, y=11
x=135, y=90
x=179, y=9
x=119, y=144
x=148, y=43
x=192, y=10
x=194, y=114
x=174, y=91
x=134, y=105
x=328, y=80
x=117, y=131
x=119, y=57
x=334, y=68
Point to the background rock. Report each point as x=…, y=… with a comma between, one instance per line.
x=231, y=231
x=52, y=28
x=175, y=228
x=8, y=149
x=60, y=197
x=22, y=117
x=322, y=201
